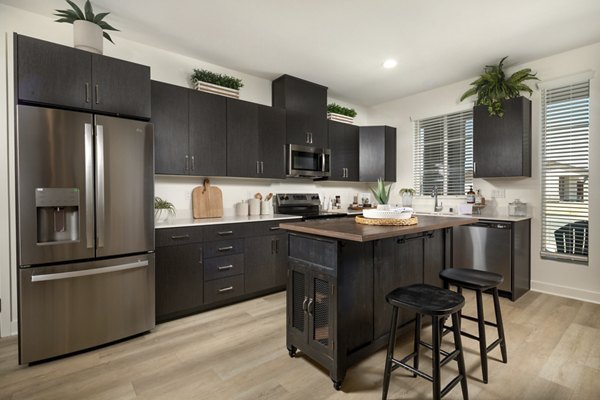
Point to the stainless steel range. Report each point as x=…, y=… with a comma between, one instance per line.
x=306, y=205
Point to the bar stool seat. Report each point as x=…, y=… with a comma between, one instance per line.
x=479, y=281
x=439, y=304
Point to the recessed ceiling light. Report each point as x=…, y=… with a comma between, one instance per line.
x=391, y=63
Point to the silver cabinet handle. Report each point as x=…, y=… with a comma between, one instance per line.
x=180, y=237
x=304, y=304
x=225, y=267
x=309, y=307
x=87, y=92
x=225, y=233
x=262, y=167
x=311, y=137
x=308, y=137
x=274, y=228
x=322, y=162
x=258, y=167
x=87, y=272
x=100, y=185
x=227, y=289
x=193, y=163
x=89, y=186
x=474, y=167
x=187, y=163
x=226, y=248
x=97, y=94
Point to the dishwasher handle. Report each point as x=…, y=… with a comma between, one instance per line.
x=493, y=225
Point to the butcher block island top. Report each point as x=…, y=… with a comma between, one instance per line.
x=348, y=229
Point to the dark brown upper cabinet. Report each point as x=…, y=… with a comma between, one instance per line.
x=255, y=140
x=189, y=131
x=377, y=159
x=54, y=75
x=502, y=146
x=343, y=142
x=306, y=110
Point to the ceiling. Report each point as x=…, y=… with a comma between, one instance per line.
x=343, y=43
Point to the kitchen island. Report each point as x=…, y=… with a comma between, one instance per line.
x=339, y=273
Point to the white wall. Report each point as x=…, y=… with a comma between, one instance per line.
x=165, y=66
x=549, y=276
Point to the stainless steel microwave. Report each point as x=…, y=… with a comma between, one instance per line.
x=310, y=162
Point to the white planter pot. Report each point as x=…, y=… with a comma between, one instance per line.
x=160, y=215
x=407, y=200
x=383, y=207
x=216, y=89
x=340, y=118
x=87, y=36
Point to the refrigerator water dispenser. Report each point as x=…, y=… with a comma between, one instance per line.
x=57, y=215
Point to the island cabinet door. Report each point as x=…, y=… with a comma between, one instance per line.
x=297, y=302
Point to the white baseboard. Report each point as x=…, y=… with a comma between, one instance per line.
x=566, y=291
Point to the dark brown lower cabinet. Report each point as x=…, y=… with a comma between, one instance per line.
x=336, y=309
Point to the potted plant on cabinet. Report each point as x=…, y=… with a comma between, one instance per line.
x=492, y=87
x=382, y=195
x=162, y=209
x=212, y=82
x=88, y=28
x=407, y=196
x=338, y=113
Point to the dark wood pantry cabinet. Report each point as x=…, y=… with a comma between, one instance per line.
x=377, y=153
x=54, y=75
x=502, y=145
x=343, y=142
x=208, y=130
x=255, y=140
x=306, y=110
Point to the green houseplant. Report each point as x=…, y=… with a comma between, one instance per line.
x=212, y=82
x=493, y=86
x=162, y=209
x=382, y=195
x=88, y=28
x=337, y=109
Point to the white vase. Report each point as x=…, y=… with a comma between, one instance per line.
x=160, y=215
x=384, y=207
x=407, y=200
x=87, y=36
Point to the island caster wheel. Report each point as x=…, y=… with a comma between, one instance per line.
x=337, y=385
x=292, y=352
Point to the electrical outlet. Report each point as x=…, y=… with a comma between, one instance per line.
x=188, y=195
x=499, y=193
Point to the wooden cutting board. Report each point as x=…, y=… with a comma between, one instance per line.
x=207, y=201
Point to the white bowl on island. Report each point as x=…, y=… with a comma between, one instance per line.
x=391, y=213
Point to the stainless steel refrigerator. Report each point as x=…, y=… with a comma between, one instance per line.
x=85, y=187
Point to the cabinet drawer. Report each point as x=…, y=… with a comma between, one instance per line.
x=316, y=251
x=223, y=248
x=225, y=231
x=177, y=236
x=223, y=289
x=221, y=267
x=269, y=227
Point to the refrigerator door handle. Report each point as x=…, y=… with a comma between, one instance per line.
x=86, y=272
x=100, y=185
x=89, y=186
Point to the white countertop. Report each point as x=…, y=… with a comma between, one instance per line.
x=227, y=219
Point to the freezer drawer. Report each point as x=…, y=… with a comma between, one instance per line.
x=66, y=308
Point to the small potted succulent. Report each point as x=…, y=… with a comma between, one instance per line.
x=382, y=195
x=335, y=112
x=407, y=196
x=88, y=28
x=162, y=209
x=212, y=82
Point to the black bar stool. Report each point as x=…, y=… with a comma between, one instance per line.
x=480, y=281
x=439, y=304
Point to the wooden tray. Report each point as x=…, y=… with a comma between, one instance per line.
x=386, y=221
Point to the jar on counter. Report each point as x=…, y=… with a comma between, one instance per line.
x=517, y=209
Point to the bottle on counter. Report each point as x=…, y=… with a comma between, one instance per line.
x=478, y=197
x=471, y=196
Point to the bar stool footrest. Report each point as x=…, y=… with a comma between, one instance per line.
x=451, y=385
x=430, y=347
x=398, y=363
x=474, y=319
x=493, y=345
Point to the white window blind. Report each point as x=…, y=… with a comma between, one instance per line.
x=565, y=172
x=443, y=154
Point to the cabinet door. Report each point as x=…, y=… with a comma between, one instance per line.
x=259, y=263
x=242, y=139
x=297, y=300
x=170, y=119
x=52, y=74
x=281, y=259
x=208, y=128
x=179, y=282
x=271, y=138
x=120, y=87
x=377, y=153
x=321, y=311
x=397, y=263
x=343, y=142
x=502, y=146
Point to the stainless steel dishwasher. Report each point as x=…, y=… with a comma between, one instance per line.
x=485, y=245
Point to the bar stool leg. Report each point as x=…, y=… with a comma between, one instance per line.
x=482, y=341
x=436, y=337
x=459, y=290
x=500, y=326
x=417, y=342
x=461, y=359
x=390, y=353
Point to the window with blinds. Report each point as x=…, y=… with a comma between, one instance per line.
x=443, y=154
x=565, y=172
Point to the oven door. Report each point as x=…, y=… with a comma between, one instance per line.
x=304, y=161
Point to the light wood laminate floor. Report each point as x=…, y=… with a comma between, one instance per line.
x=238, y=352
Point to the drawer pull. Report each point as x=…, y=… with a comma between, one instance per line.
x=226, y=248
x=225, y=233
x=180, y=237
x=226, y=289
x=274, y=228
x=225, y=267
